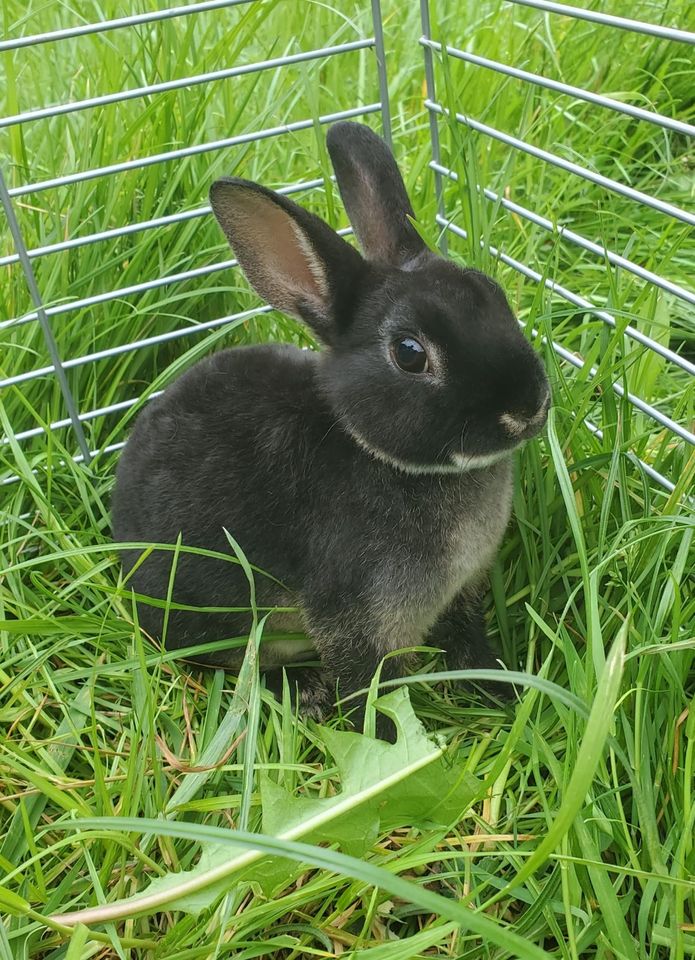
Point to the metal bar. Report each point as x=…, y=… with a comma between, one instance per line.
x=79, y=458
x=636, y=402
x=109, y=295
x=606, y=182
x=381, y=69
x=650, y=471
x=84, y=418
x=629, y=331
x=58, y=367
x=182, y=82
x=121, y=292
x=679, y=126
x=615, y=258
x=135, y=345
x=105, y=235
x=98, y=452
x=142, y=162
x=622, y=23
x=149, y=341
x=142, y=225
x=434, y=125
x=104, y=25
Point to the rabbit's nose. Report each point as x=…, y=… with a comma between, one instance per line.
x=521, y=426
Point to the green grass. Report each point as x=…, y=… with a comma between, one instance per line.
x=576, y=817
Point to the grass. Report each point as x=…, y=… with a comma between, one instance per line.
x=576, y=808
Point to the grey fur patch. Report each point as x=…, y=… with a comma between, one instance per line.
x=315, y=699
x=409, y=588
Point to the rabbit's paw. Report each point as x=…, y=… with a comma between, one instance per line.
x=309, y=692
x=316, y=701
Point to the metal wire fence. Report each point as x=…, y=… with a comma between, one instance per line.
x=24, y=255
x=439, y=59
x=439, y=111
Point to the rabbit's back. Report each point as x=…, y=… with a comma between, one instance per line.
x=210, y=436
x=225, y=447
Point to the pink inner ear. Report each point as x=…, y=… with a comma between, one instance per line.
x=276, y=254
x=374, y=235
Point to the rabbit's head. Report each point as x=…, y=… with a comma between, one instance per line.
x=425, y=366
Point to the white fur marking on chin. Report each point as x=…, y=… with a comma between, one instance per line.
x=480, y=461
x=460, y=463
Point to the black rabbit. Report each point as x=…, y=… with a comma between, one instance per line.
x=372, y=479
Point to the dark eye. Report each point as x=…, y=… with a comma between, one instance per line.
x=410, y=355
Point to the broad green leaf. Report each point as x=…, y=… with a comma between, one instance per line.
x=426, y=794
x=255, y=847
x=384, y=786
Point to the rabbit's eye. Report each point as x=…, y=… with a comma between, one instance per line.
x=410, y=355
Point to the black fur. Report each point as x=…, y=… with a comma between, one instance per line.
x=375, y=199
x=376, y=497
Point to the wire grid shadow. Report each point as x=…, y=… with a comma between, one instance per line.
x=69, y=209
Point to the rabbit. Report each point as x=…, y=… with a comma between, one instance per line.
x=371, y=479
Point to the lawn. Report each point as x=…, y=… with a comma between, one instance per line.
x=559, y=826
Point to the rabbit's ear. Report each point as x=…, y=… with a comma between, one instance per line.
x=292, y=258
x=374, y=195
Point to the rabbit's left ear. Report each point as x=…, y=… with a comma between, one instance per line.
x=294, y=260
x=374, y=195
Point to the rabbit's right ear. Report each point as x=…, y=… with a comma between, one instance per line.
x=292, y=258
x=374, y=195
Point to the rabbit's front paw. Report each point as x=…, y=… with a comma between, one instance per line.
x=316, y=701
x=309, y=692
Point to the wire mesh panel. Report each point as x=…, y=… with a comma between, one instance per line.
x=74, y=265
x=509, y=120
x=115, y=277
